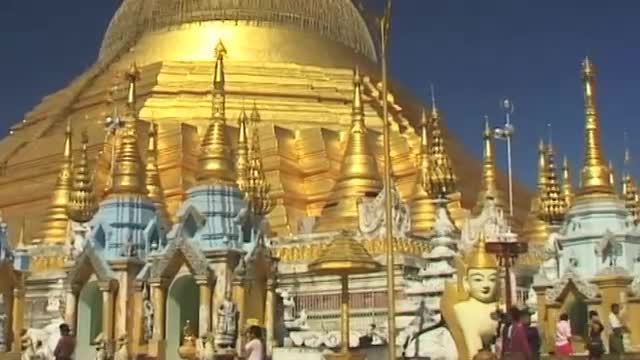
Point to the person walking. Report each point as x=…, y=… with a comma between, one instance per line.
x=66, y=345
x=533, y=335
x=616, y=338
x=517, y=346
x=595, y=344
x=563, y=337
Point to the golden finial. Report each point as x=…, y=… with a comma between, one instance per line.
x=435, y=114
x=56, y=220
x=551, y=203
x=153, y=183
x=542, y=169
x=479, y=258
x=442, y=179
x=567, y=187
x=489, y=189
x=422, y=205
x=214, y=162
x=242, y=160
x=128, y=171
x=257, y=188
x=359, y=176
x=82, y=199
x=595, y=175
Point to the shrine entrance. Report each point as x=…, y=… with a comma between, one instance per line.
x=89, y=323
x=183, y=304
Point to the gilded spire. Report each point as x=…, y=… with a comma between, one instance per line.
x=422, y=206
x=542, y=170
x=128, y=171
x=56, y=220
x=242, y=160
x=567, y=187
x=214, y=162
x=359, y=176
x=489, y=188
x=535, y=229
x=152, y=176
x=551, y=204
x=82, y=198
x=595, y=175
x=442, y=179
x=257, y=188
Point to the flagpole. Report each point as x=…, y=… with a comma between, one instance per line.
x=505, y=133
x=391, y=302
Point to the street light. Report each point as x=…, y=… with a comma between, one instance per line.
x=505, y=133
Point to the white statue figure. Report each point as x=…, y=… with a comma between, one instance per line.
x=204, y=347
x=607, y=248
x=147, y=308
x=101, y=351
x=28, y=350
x=80, y=236
x=41, y=352
x=301, y=321
x=123, y=349
x=226, y=330
x=306, y=224
x=372, y=220
x=491, y=222
x=289, y=305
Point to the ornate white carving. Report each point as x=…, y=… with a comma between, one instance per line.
x=123, y=350
x=590, y=291
x=205, y=348
x=436, y=344
x=226, y=331
x=371, y=219
x=608, y=248
x=148, y=312
x=3, y=326
x=80, y=234
x=491, y=221
x=289, y=305
x=306, y=224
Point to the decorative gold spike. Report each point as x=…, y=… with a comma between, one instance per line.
x=214, y=162
x=56, y=220
x=442, y=179
x=551, y=204
x=422, y=205
x=479, y=258
x=153, y=183
x=257, y=188
x=242, y=160
x=567, y=187
x=82, y=199
x=128, y=171
x=595, y=175
x=489, y=189
x=359, y=176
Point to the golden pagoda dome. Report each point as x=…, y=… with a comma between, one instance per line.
x=332, y=30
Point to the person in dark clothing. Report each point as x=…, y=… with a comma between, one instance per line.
x=66, y=345
x=517, y=346
x=595, y=344
x=533, y=335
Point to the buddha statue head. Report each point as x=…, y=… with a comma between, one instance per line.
x=480, y=279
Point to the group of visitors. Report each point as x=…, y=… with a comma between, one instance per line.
x=594, y=340
x=517, y=338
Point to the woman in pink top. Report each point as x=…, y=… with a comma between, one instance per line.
x=254, y=350
x=563, y=337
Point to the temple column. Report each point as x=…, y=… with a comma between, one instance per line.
x=156, y=347
x=108, y=307
x=17, y=318
x=548, y=329
x=239, y=300
x=269, y=316
x=71, y=307
x=204, y=323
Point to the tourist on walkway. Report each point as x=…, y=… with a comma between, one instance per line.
x=254, y=350
x=616, y=338
x=533, y=335
x=517, y=344
x=66, y=345
x=595, y=344
x=563, y=337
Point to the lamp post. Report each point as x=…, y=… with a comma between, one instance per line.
x=505, y=133
x=507, y=250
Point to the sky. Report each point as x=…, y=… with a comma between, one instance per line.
x=474, y=52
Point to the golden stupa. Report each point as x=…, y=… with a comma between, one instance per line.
x=294, y=59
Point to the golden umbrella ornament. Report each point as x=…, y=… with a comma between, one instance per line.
x=344, y=257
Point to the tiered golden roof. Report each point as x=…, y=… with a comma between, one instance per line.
x=214, y=162
x=479, y=257
x=242, y=151
x=567, y=186
x=128, y=172
x=442, y=179
x=552, y=206
x=152, y=177
x=489, y=188
x=423, y=208
x=82, y=198
x=56, y=220
x=359, y=176
x=595, y=174
x=257, y=188
x=344, y=256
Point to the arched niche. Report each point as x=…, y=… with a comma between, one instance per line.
x=183, y=303
x=89, y=323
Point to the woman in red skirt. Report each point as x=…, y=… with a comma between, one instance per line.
x=563, y=337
